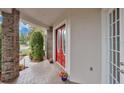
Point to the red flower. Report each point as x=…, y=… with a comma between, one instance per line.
x=63, y=74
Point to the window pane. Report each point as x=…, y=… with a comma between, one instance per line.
x=110, y=30
x=113, y=29
x=113, y=15
x=63, y=39
x=118, y=11
x=114, y=71
x=118, y=43
x=114, y=43
x=58, y=39
x=110, y=19
x=110, y=56
x=118, y=28
x=114, y=58
x=118, y=59
x=110, y=67
x=118, y=75
x=110, y=43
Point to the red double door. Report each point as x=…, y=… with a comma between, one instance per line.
x=61, y=45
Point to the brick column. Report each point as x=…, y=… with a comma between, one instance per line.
x=10, y=45
x=49, y=42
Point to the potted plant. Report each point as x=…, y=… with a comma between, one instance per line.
x=21, y=67
x=63, y=75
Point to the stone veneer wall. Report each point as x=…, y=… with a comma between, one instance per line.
x=10, y=45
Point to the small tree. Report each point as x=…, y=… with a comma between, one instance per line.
x=22, y=39
x=36, y=46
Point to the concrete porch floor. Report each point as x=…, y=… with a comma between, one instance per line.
x=40, y=73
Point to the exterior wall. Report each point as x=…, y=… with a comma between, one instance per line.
x=85, y=62
x=49, y=42
x=83, y=44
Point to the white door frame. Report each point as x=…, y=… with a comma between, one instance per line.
x=105, y=44
x=104, y=34
x=67, y=57
x=121, y=45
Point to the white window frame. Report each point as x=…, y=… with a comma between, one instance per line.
x=105, y=46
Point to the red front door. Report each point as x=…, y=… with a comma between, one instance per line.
x=60, y=45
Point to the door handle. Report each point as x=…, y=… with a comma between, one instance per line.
x=122, y=63
x=122, y=71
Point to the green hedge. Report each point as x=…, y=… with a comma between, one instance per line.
x=36, y=46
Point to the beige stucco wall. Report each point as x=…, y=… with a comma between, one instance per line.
x=84, y=44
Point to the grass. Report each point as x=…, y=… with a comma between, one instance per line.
x=24, y=52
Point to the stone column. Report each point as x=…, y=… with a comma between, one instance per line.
x=16, y=18
x=49, y=42
x=10, y=45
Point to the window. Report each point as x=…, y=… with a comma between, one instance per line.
x=63, y=39
x=58, y=39
x=114, y=37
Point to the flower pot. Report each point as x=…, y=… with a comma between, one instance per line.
x=63, y=78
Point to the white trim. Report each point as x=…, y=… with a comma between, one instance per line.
x=121, y=43
x=60, y=65
x=60, y=24
x=67, y=57
x=54, y=45
x=104, y=34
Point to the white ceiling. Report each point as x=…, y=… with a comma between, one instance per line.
x=41, y=16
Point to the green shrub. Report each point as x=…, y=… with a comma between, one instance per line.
x=36, y=46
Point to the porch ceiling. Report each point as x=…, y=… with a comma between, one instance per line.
x=39, y=16
x=42, y=16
